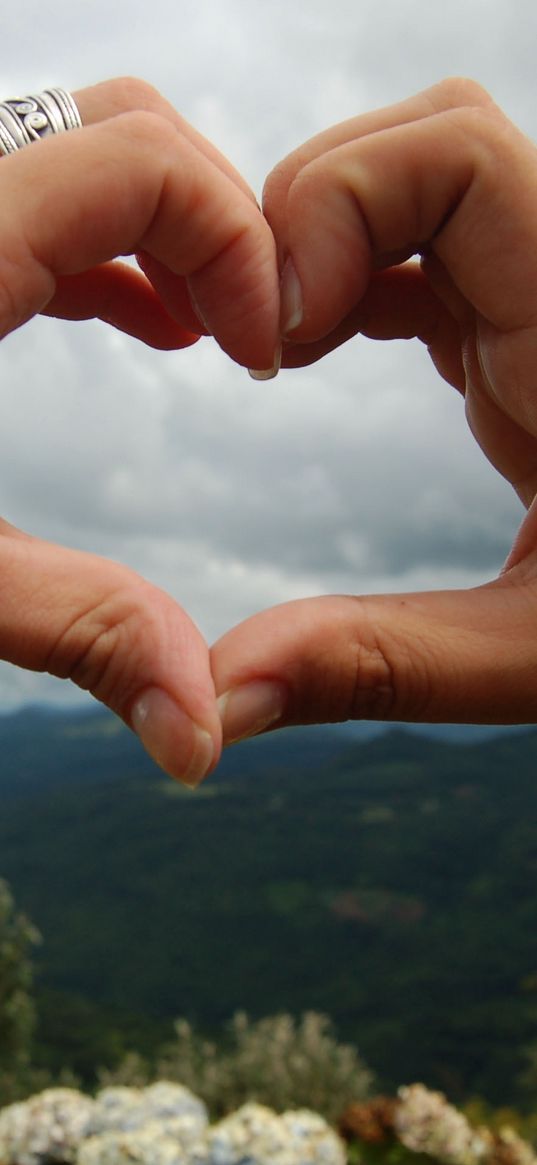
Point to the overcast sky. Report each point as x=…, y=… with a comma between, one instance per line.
x=355, y=475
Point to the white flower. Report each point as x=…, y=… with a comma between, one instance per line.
x=255, y=1135
x=49, y=1125
x=175, y=1108
x=145, y=1146
x=426, y=1123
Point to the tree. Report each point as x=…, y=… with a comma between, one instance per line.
x=17, y=1009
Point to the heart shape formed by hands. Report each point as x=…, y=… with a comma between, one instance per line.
x=443, y=175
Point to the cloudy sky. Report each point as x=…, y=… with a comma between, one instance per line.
x=355, y=475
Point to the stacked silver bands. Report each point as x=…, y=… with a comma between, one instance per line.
x=24, y=120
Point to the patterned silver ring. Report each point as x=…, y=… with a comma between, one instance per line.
x=24, y=120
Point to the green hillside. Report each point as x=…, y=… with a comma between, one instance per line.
x=389, y=883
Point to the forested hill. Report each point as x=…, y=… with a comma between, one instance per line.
x=40, y=743
x=390, y=883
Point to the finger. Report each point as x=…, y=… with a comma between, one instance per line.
x=453, y=93
x=128, y=94
x=345, y=214
x=399, y=303
x=128, y=184
x=80, y=617
x=116, y=295
x=172, y=291
x=462, y=657
x=121, y=296
x=99, y=103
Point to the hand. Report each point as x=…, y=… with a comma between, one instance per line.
x=136, y=179
x=444, y=175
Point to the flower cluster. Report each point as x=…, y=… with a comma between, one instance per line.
x=427, y=1125
x=164, y=1124
x=257, y=1136
x=49, y=1125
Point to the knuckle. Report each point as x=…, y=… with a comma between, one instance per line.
x=132, y=93
x=150, y=129
x=277, y=183
x=324, y=171
x=10, y=310
x=492, y=137
x=26, y=286
x=322, y=197
x=374, y=689
x=456, y=92
x=106, y=649
x=307, y=187
x=392, y=680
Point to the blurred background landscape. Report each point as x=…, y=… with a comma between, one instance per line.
x=388, y=883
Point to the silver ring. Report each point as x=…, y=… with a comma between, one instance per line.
x=24, y=120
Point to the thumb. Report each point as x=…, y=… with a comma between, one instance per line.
x=81, y=617
x=452, y=656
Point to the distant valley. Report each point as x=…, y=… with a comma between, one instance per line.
x=389, y=882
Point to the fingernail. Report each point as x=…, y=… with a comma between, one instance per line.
x=249, y=709
x=196, y=307
x=268, y=373
x=182, y=748
x=291, y=304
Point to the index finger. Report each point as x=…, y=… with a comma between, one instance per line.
x=451, y=94
x=133, y=183
x=452, y=175
x=129, y=94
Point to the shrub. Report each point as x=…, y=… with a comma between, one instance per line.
x=278, y=1061
x=17, y=1010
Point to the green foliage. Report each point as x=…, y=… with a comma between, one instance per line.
x=17, y=1009
x=74, y=1030
x=528, y=1076
x=390, y=1153
x=480, y=1114
x=276, y=1061
x=133, y=1071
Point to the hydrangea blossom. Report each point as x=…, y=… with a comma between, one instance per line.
x=255, y=1135
x=426, y=1123
x=122, y=1109
x=46, y=1127
x=164, y=1124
